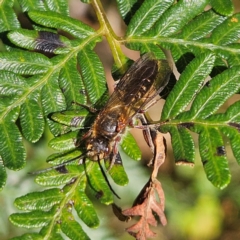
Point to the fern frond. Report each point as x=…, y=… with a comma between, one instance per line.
x=185, y=27
x=203, y=119
x=42, y=85
x=6, y=12
x=51, y=72
x=48, y=207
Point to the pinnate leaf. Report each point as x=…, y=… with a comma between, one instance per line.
x=84, y=206
x=39, y=200
x=202, y=25
x=55, y=20
x=52, y=101
x=125, y=6
x=6, y=12
x=98, y=184
x=34, y=219
x=93, y=74
x=117, y=171
x=24, y=62
x=149, y=12
x=213, y=156
x=183, y=145
x=28, y=236
x=3, y=175
x=31, y=118
x=223, y=7
x=212, y=96
x=72, y=228
x=177, y=16
x=65, y=142
x=40, y=40
x=227, y=32
x=190, y=82
x=28, y=5
x=12, y=150
x=72, y=84
x=203, y=119
x=73, y=118
x=59, y=6
x=130, y=147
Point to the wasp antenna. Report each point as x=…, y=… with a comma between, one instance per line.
x=106, y=179
x=59, y=165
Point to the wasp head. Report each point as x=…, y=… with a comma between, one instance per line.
x=97, y=148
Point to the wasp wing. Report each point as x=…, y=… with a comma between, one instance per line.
x=146, y=78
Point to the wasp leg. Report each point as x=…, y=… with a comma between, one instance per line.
x=150, y=103
x=149, y=134
x=146, y=130
x=115, y=156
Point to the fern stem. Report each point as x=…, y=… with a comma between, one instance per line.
x=106, y=29
x=182, y=42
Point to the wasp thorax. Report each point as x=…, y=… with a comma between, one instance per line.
x=97, y=148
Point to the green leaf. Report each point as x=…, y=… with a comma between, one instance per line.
x=213, y=156
x=56, y=20
x=64, y=142
x=234, y=137
x=148, y=47
x=12, y=85
x=26, y=63
x=58, y=158
x=28, y=5
x=12, y=150
x=201, y=26
x=32, y=219
x=74, y=118
x=52, y=101
x=71, y=82
x=125, y=6
x=3, y=175
x=211, y=97
x=31, y=118
x=51, y=232
x=98, y=183
x=117, y=171
x=93, y=74
x=59, y=6
x=227, y=32
x=230, y=121
x=53, y=178
x=130, y=147
x=189, y=84
x=183, y=145
x=223, y=7
x=8, y=17
x=84, y=207
x=28, y=236
x=39, y=200
x=177, y=16
x=144, y=19
x=72, y=228
x=40, y=40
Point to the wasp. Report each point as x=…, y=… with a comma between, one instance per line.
x=134, y=93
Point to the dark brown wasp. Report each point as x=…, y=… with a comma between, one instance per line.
x=134, y=94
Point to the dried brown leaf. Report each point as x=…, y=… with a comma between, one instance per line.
x=151, y=198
